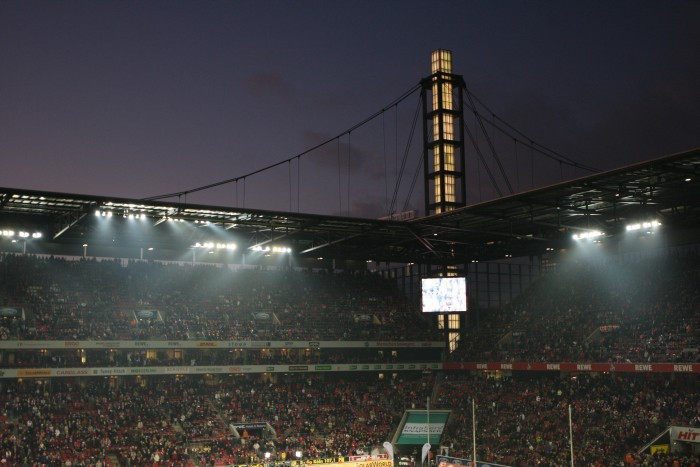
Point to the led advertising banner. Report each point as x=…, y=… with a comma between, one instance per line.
x=415, y=430
x=444, y=461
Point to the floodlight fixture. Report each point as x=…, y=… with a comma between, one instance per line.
x=20, y=234
x=217, y=246
x=590, y=235
x=648, y=225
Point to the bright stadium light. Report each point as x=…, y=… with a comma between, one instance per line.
x=643, y=225
x=215, y=245
x=588, y=235
x=21, y=233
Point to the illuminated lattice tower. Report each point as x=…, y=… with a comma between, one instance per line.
x=443, y=136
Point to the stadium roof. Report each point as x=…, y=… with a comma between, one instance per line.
x=666, y=189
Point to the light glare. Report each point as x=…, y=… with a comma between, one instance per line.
x=588, y=235
x=642, y=225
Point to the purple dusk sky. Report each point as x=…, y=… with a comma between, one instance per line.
x=136, y=99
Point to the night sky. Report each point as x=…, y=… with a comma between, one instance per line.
x=136, y=99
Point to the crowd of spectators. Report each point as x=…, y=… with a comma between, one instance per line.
x=633, y=310
x=144, y=420
x=620, y=311
x=188, y=420
x=525, y=421
x=105, y=300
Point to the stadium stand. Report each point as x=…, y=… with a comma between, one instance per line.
x=181, y=420
x=524, y=421
x=187, y=419
x=634, y=310
x=100, y=300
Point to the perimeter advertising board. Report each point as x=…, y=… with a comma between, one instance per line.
x=444, y=461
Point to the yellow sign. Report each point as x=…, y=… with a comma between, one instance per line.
x=662, y=448
x=31, y=373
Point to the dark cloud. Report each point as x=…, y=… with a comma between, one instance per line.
x=362, y=162
x=367, y=209
x=269, y=84
x=335, y=100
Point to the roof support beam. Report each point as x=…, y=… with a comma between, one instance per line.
x=333, y=242
x=65, y=229
x=424, y=242
x=270, y=240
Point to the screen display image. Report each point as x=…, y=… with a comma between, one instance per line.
x=444, y=294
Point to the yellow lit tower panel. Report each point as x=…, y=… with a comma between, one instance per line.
x=443, y=148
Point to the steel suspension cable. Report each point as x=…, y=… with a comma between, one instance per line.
x=396, y=101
